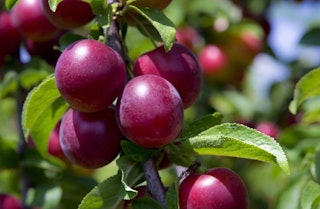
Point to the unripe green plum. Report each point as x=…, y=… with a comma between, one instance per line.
x=218, y=188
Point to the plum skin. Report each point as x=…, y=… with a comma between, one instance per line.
x=90, y=75
x=218, y=188
x=29, y=18
x=150, y=111
x=69, y=13
x=8, y=201
x=9, y=35
x=90, y=140
x=179, y=66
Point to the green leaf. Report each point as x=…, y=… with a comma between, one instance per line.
x=53, y=4
x=181, y=153
x=98, y=6
x=307, y=87
x=30, y=77
x=310, y=196
x=311, y=37
x=145, y=203
x=110, y=193
x=235, y=140
x=42, y=109
x=9, y=84
x=160, y=22
x=10, y=4
x=68, y=39
x=172, y=196
x=201, y=124
x=137, y=153
x=106, y=195
x=132, y=175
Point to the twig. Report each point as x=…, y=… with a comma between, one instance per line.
x=154, y=184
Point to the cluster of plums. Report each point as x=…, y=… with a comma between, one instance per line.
x=107, y=106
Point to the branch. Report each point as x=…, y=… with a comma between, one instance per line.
x=154, y=184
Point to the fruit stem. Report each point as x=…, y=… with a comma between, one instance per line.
x=154, y=183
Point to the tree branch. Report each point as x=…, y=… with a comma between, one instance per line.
x=154, y=184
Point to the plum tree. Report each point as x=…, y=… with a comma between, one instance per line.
x=69, y=13
x=150, y=111
x=8, y=201
x=90, y=140
x=9, y=35
x=28, y=16
x=179, y=66
x=90, y=75
x=217, y=188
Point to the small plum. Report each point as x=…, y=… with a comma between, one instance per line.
x=8, y=201
x=69, y=13
x=179, y=66
x=90, y=75
x=218, y=188
x=90, y=140
x=268, y=128
x=150, y=111
x=213, y=61
x=29, y=18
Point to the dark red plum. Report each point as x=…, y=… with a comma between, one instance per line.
x=91, y=140
x=9, y=35
x=28, y=16
x=218, y=188
x=69, y=13
x=90, y=75
x=179, y=66
x=150, y=111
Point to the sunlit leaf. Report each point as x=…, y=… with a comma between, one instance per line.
x=235, y=140
x=53, y=4
x=161, y=23
x=132, y=175
x=42, y=110
x=307, y=87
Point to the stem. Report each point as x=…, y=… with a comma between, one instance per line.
x=154, y=183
